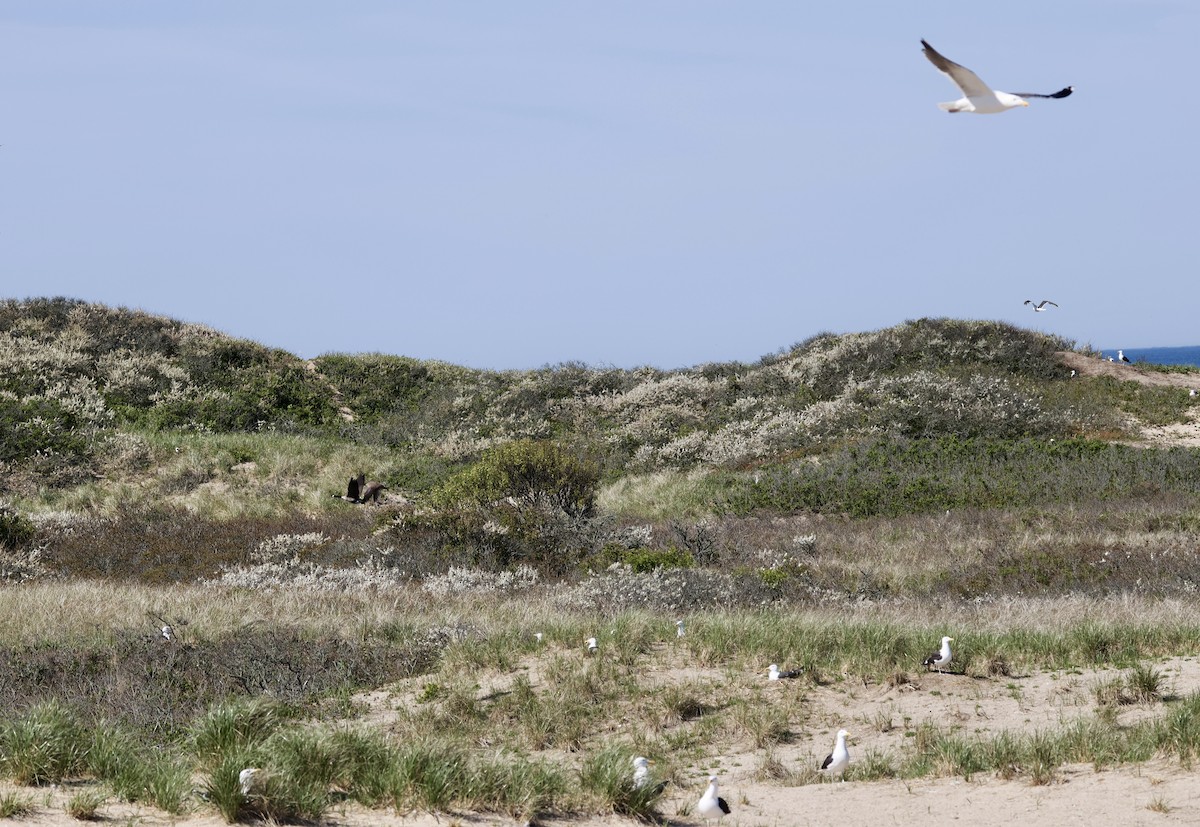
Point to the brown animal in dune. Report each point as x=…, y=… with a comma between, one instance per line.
x=359, y=491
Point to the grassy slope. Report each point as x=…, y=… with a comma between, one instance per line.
x=188, y=444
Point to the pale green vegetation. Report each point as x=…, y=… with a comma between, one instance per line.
x=836, y=506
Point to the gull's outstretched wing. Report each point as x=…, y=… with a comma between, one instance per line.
x=963, y=78
x=1061, y=93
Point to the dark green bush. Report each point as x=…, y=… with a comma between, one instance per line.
x=16, y=531
x=895, y=477
x=648, y=559
x=39, y=426
x=521, y=502
x=527, y=472
x=375, y=384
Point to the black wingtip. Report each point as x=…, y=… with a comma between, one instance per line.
x=1062, y=93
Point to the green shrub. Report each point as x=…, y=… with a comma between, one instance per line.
x=39, y=426
x=647, y=559
x=522, y=502
x=529, y=473
x=896, y=477
x=16, y=531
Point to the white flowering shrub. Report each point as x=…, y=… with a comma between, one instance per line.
x=371, y=575
x=462, y=580
x=286, y=547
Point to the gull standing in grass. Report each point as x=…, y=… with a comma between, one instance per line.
x=167, y=632
x=836, y=762
x=592, y=648
x=711, y=805
x=679, y=628
x=978, y=97
x=773, y=673
x=537, y=636
x=940, y=659
x=641, y=775
x=641, y=771
x=247, y=779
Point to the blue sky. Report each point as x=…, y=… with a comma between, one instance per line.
x=508, y=185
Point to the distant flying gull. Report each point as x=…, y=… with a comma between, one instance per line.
x=679, y=628
x=836, y=762
x=773, y=673
x=979, y=97
x=1121, y=356
x=1040, y=307
x=941, y=658
x=711, y=805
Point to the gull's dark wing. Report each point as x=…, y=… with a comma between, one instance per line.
x=1061, y=93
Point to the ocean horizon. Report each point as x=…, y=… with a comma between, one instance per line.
x=1159, y=355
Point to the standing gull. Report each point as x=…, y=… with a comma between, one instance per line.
x=978, y=96
x=941, y=658
x=249, y=780
x=641, y=771
x=836, y=762
x=1121, y=357
x=590, y=643
x=641, y=775
x=1040, y=307
x=679, y=628
x=711, y=805
x=773, y=673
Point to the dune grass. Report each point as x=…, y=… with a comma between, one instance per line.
x=503, y=723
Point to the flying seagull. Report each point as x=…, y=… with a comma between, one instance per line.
x=978, y=96
x=773, y=673
x=941, y=658
x=711, y=805
x=1040, y=307
x=837, y=761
